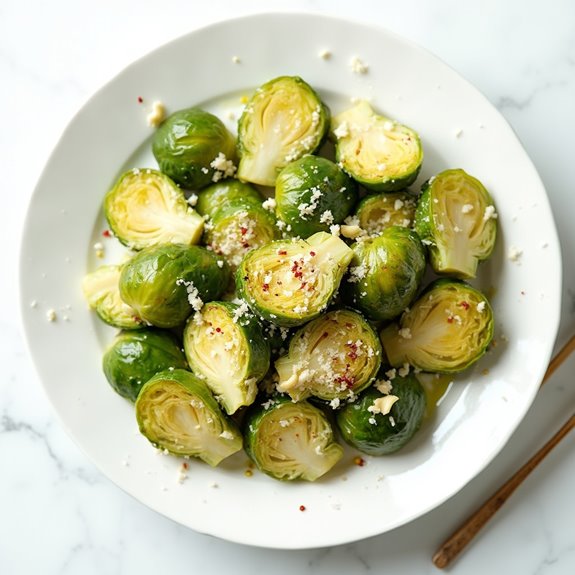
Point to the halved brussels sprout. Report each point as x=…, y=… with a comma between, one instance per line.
x=176, y=412
x=145, y=208
x=289, y=440
x=378, y=212
x=164, y=284
x=216, y=196
x=385, y=273
x=284, y=120
x=456, y=219
x=379, y=153
x=291, y=282
x=194, y=148
x=333, y=357
x=312, y=194
x=225, y=346
x=238, y=227
x=446, y=330
x=134, y=357
x=101, y=289
x=376, y=431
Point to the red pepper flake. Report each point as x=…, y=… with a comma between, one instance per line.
x=266, y=287
x=302, y=507
x=450, y=319
x=312, y=254
x=359, y=461
x=185, y=465
x=107, y=234
x=218, y=329
x=243, y=230
x=282, y=253
x=140, y=99
x=464, y=305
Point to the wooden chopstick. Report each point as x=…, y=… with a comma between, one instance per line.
x=465, y=533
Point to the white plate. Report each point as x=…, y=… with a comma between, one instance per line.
x=110, y=134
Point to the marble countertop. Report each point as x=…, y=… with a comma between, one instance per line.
x=58, y=514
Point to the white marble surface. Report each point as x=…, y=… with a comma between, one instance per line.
x=58, y=514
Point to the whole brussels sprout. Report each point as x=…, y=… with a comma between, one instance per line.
x=289, y=441
x=455, y=218
x=446, y=330
x=379, y=424
x=164, y=284
x=134, y=357
x=216, y=196
x=312, y=193
x=239, y=226
x=379, y=153
x=385, y=273
x=291, y=282
x=102, y=292
x=284, y=120
x=145, y=208
x=376, y=212
x=194, y=148
x=176, y=412
x=225, y=346
x=333, y=357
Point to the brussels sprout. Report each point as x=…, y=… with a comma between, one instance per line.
x=225, y=346
x=214, y=197
x=312, y=193
x=194, y=148
x=284, y=120
x=102, y=292
x=385, y=273
x=381, y=154
x=333, y=357
x=446, y=330
x=145, y=208
x=238, y=227
x=165, y=283
x=291, y=282
x=289, y=440
x=370, y=425
x=176, y=412
x=456, y=219
x=378, y=212
x=134, y=357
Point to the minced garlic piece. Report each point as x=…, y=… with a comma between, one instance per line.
x=157, y=114
x=358, y=66
x=324, y=54
x=51, y=315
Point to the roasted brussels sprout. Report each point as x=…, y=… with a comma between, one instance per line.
x=238, y=227
x=135, y=356
x=102, y=292
x=284, y=120
x=377, y=212
x=289, y=440
x=194, y=148
x=225, y=346
x=446, y=330
x=312, y=194
x=379, y=153
x=216, y=196
x=378, y=424
x=176, y=412
x=164, y=284
x=291, y=282
x=455, y=218
x=146, y=208
x=333, y=357
x=385, y=273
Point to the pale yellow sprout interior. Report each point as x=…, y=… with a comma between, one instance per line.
x=390, y=209
x=147, y=209
x=216, y=349
x=296, y=442
x=181, y=422
x=374, y=148
x=330, y=358
x=464, y=236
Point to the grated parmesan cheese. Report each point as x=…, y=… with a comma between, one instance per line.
x=156, y=115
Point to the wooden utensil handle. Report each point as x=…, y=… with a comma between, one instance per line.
x=462, y=536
